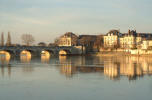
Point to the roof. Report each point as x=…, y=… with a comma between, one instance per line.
x=144, y=35
x=92, y=36
x=69, y=34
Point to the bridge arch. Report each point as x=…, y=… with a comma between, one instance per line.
x=47, y=53
x=5, y=55
x=64, y=52
x=25, y=56
x=26, y=53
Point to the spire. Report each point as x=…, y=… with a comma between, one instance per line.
x=2, y=39
x=8, y=43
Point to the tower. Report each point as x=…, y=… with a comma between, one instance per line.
x=8, y=43
x=2, y=39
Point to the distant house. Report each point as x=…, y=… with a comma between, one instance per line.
x=111, y=39
x=68, y=39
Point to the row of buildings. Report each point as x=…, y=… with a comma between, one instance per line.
x=113, y=39
x=71, y=39
x=130, y=40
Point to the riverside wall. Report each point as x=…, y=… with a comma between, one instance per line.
x=124, y=52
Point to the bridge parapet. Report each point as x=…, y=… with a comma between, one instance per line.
x=36, y=50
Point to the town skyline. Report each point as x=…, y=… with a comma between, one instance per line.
x=16, y=39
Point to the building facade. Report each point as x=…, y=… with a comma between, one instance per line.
x=128, y=40
x=111, y=39
x=146, y=44
x=68, y=39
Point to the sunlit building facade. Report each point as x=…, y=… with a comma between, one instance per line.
x=68, y=39
x=128, y=40
x=111, y=39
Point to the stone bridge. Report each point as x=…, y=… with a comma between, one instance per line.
x=37, y=50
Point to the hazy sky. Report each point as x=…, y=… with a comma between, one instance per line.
x=47, y=19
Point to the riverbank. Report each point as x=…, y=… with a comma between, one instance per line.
x=115, y=53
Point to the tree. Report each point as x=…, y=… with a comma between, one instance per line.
x=8, y=43
x=2, y=39
x=99, y=42
x=42, y=44
x=86, y=40
x=28, y=39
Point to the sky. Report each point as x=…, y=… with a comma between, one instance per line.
x=48, y=19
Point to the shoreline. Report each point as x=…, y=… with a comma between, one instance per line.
x=120, y=54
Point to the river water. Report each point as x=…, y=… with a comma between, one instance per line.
x=76, y=78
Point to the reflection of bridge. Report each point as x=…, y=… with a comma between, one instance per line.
x=37, y=50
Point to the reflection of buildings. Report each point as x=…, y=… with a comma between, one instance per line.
x=68, y=69
x=132, y=67
x=66, y=66
x=112, y=70
x=113, y=67
x=73, y=65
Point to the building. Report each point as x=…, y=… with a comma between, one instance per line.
x=146, y=44
x=132, y=39
x=111, y=39
x=68, y=39
x=128, y=40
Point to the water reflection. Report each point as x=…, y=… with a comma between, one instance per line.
x=45, y=57
x=25, y=56
x=4, y=63
x=5, y=70
x=4, y=57
x=112, y=67
x=132, y=67
x=66, y=67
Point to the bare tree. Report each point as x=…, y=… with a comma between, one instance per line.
x=42, y=44
x=28, y=39
x=86, y=40
x=99, y=42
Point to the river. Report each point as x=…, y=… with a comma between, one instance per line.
x=76, y=78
